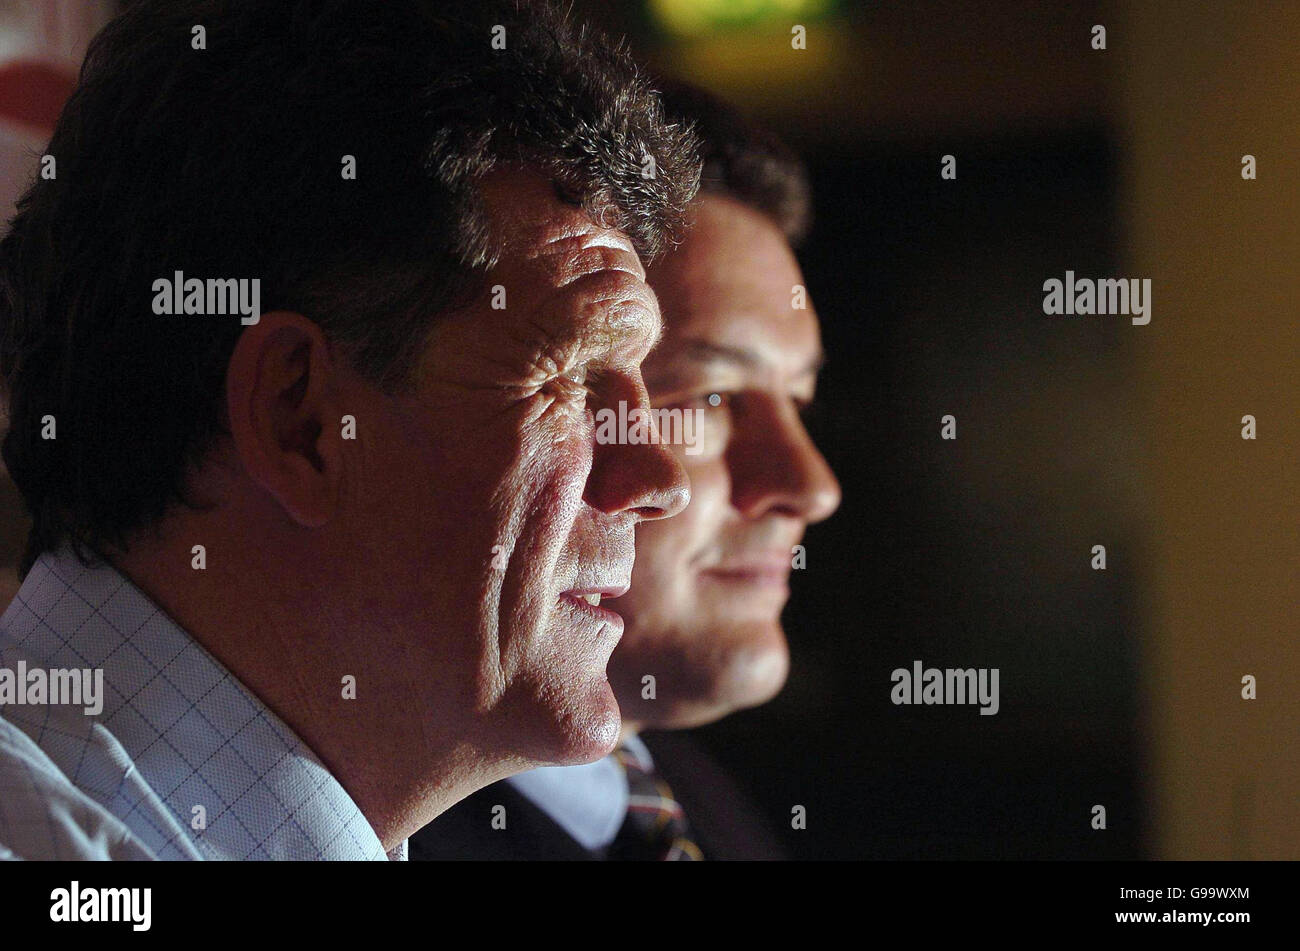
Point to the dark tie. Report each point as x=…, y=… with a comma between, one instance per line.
x=655, y=829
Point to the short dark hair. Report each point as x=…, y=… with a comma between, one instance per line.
x=226, y=162
x=742, y=159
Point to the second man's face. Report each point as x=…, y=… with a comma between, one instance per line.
x=703, y=614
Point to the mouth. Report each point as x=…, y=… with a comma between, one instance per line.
x=760, y=572
x=585, y=603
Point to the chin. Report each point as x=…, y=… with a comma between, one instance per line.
x=750, y=683
x=589, y=729
x=713, y=684
x=561, y=724
x=754, y=670
x=761, y=679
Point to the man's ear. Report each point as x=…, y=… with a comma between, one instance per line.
x=281, y=397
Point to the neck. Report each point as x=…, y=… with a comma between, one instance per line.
x=259, y=611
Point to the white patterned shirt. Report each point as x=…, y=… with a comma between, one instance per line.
x=182, y=762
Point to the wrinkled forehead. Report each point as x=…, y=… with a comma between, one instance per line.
x=532, y=220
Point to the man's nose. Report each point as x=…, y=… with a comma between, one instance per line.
x=632, y=475
x=776, y=468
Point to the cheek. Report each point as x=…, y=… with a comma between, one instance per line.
x=533, y=483
x=490, y=506
x=666, y=550
x=543, y=500
x=554, y=489
x=710, y=497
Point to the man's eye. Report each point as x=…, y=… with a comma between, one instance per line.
x=714, y=399
x=577, y=375
x=584, y=378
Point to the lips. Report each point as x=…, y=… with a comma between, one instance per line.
x=593, y=594
x=768, y=568
x=585, y=603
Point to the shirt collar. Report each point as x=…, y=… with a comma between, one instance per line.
x=188, y=728
x=589, y=801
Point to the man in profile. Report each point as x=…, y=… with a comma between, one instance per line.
x=704, y=635
x=302, y=327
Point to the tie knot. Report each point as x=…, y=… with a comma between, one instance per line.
x=655, y=828
x=631, y=759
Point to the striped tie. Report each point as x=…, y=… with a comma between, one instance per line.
x=655, y=829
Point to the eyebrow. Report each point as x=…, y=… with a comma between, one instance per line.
x=703, y=351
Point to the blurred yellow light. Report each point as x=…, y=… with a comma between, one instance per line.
x=695, y=17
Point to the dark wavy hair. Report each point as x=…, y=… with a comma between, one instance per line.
x=226, y=162
x=742, y=159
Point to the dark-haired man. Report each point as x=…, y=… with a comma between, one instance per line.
x=344, y=555
x=704, y=636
